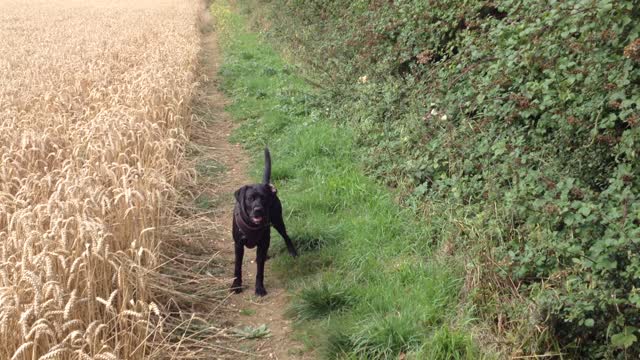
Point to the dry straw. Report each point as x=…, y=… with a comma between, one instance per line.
x=94, y=103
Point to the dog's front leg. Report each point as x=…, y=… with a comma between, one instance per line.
x=261, y=258
x=237, y=282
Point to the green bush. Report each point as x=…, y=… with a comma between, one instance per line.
x=522, y=115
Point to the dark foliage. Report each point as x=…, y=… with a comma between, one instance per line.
x=531, y=107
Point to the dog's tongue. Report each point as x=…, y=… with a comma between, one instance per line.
x=257, y=219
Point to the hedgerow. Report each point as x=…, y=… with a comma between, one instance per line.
x=523, y=117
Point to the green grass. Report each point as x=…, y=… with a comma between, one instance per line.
x=210, y=168
x=366, y=284
x=205, y=202
x=321, y=300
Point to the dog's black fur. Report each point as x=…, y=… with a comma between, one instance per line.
x=257, y=207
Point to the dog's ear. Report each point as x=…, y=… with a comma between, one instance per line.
x=239, y=194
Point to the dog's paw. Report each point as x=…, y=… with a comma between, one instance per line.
x=293, y=253
x=260, y=291
x=236, y=287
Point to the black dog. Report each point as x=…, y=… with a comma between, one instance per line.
x=257, y=207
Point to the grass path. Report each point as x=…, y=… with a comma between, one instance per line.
x=370, y=282
x=222, y=168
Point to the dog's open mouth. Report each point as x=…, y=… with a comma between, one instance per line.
x=257, y=219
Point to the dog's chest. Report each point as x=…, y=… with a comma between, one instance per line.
x=251, y=239
x=250, y=236
x=248, y=241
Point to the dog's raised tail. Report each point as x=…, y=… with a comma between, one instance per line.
x=267, y=167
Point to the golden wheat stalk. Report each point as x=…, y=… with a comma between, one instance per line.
x=93, y=111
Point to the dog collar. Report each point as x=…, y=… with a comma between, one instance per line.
x=245, y=227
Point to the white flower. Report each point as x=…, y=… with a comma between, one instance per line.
x=434, y=112
x=363, y=79
x=444, y=118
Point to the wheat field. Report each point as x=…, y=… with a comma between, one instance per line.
x=94, y=115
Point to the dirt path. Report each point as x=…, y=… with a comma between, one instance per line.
x=225, y=167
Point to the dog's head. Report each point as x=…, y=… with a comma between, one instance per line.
x=255, y=202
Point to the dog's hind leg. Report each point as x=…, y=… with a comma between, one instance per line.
x=278, y=223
